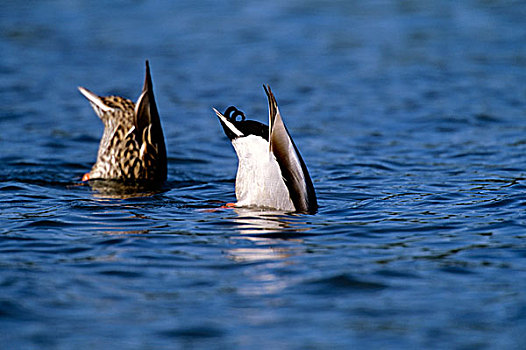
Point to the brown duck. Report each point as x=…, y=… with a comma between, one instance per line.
x=132, y=147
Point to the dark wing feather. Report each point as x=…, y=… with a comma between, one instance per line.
x=146, y=114
x=293, y=169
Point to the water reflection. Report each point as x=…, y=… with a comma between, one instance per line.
x=268, y=235
x=109, y=189
x=262, y=251
x=270, y=224
x=271, y=240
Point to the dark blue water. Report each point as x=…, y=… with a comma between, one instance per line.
x=410, y=115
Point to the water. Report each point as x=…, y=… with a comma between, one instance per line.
x=410, y=115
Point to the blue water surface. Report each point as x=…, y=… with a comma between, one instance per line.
x=410, y=115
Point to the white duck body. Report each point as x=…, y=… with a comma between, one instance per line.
x=259, y=181
x=271, y=172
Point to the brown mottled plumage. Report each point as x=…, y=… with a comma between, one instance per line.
x=132, y=147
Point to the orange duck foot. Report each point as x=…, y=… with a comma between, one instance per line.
x=85, y=177
x=226, y=206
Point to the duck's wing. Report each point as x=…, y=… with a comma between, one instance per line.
x=149, y=129
x=294, y=170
